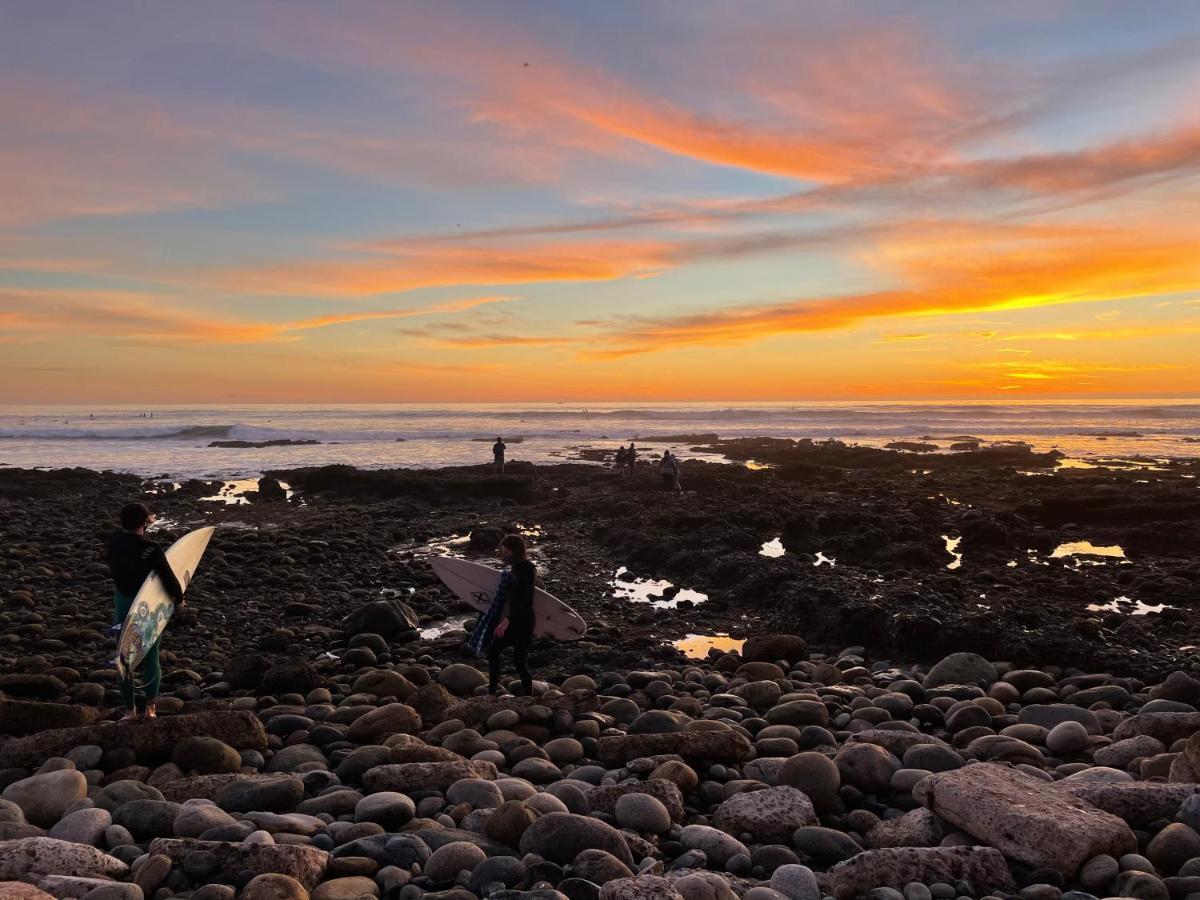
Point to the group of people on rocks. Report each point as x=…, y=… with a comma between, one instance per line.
x=133, y=558
x=625, y=463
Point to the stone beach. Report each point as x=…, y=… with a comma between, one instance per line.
x=890, y=728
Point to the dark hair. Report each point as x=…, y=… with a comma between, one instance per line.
x=134, y=516
x=515, y=544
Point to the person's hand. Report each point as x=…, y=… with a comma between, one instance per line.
x=501, y=628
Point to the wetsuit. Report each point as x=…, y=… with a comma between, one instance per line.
x=132, y=558
x=519, y=634
x=498, y=456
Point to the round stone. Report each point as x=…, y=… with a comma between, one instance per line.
x=450, y=859
x=642, y=813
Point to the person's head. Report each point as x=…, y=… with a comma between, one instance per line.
x=499, y=440
x=666, y=454
x=135, y=516
x=512, y=548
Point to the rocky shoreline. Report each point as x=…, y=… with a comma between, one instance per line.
x=939, y=731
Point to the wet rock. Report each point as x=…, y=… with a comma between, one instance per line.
x=1014, y=813
x=983, y=868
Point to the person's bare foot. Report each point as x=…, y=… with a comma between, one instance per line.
x=130, y=716
x=151, y=711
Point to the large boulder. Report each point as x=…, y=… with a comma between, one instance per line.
x=384, y=617
x=983, y=868
x=44, y=798
x=773, y=647
x=1016, y=814
x=769, y=815
x=962, y=668
x=560, y=837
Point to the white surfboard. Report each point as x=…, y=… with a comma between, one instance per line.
x=475, y=584
x=152, y=607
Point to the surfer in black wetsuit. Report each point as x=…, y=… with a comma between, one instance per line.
x=131, y=558
x=515, y=628
x=498, y=449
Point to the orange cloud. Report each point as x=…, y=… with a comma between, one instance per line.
x=451, y=306
x=40, y=313
x=948, y=271
x=438, y=266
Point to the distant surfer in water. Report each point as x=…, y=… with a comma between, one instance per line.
x=131, y=559
x=514, y=597
x=498, y=455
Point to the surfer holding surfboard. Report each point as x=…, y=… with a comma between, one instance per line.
x=132, y=559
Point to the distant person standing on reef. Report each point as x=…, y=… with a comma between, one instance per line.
x=498, y=449
x=515, y=628
x=131, y=559
x=619, y=461
x=668, y=469
x=631, y=457
x=675, y=483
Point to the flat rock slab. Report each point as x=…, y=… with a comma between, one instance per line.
x=983, y=867
x=208, y=787
x=43, y=855
x=721, y=746
x=1168, y=727
x=21, y=717
x=425, y=776
x=241, y=730
x=306, y=864
x=1137, y=802
x=478, y=710
x=1018, y=815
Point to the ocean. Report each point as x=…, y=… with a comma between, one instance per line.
x=174, y=443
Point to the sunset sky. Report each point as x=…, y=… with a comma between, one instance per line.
x=611, y=200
